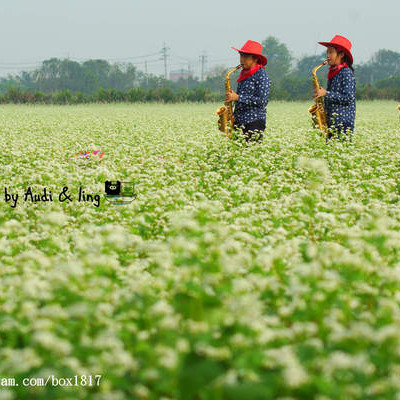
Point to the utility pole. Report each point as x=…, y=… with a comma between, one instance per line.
x=203, y=60
x=188, y=74
x=164, y=55
x=147, y=77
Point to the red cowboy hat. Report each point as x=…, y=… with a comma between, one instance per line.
x=255, y=48
x=342, y=44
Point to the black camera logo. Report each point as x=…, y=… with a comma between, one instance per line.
x=119, y=193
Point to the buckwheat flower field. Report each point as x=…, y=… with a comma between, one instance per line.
x=239, y=272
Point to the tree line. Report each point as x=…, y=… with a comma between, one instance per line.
x=134, y=95
x=63, y=81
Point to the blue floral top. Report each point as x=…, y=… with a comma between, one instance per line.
x=341, y=99
x=253, y=98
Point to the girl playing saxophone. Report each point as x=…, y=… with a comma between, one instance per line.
x=252, y=92
x=340, y=96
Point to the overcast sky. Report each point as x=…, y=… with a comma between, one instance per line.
x=134, y=30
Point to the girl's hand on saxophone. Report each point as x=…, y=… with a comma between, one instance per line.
x=231, y=96
x=321, y=92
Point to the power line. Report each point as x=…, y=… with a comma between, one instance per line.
x=155, y=61
x=182, y=58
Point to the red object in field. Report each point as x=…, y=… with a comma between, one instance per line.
x=82, y=158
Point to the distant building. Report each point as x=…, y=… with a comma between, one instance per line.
x=181, y=74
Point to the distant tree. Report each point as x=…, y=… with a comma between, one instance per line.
x=27, y=80
x=306, y=64
x=279, y=59
x=217, y=70
x=48, y=75
x=390, y=83
x=130, y=72
x=87, y=77
x=150, y=81
x=296, y=88
x=99, y=68
x=117, y=77
x=51, y=69
x=298, y=84
x=71, y=76
x=8, y=83
x=382, y=65
x=388, y=62
x=365, y=73
x=215, y=79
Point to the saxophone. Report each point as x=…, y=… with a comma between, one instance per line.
x=317, y=110
x=226, y=120
x=398, y=107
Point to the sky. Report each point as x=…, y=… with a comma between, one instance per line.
x=136, y=30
